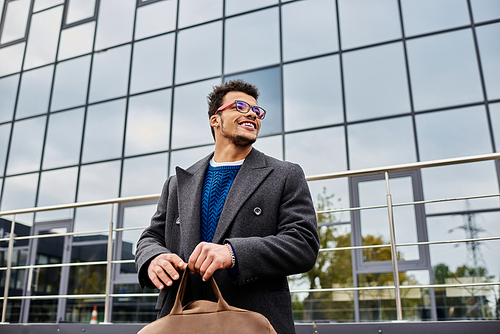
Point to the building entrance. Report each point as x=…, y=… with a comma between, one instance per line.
x=50, y=280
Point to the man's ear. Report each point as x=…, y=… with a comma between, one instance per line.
x=214, y=121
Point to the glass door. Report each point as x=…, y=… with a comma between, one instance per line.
x=48, y=281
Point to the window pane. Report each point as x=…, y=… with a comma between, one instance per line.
x=94, y=218
x=186, y=158
x=11, y=59
x=190, y=123
x=44, y=4
x=472, y=262
x=260, y=31
x=459, y=181
x=98, y=182
x=198, y=11
x=199, y=52
x=375, y=224
x=4, y=143
x=153, y=63
x=312, y=105
x=134, y=216
x=310, y=34
x=19, y=192
x=26, y=151
x=64, y=137
x=104, y=124
x=443, y=70
x=35, y=92
x=484, y=10
x=272, y=146
x=495, y=123
x=318, y=151
x=381, y=143
x=76, y=41
x=156, y=18
x=453, y=133
x=144, y=175
x=8, y=92
x=110, y=74
x=79, y=10
x=268, y=82
x=429, y=15
x=328, y=195
x=148, y=123
x=57, y=187
x=70, y=86
x=16, y=18
x=115, y=23
x=487, y=37
x=376, y=82
x=365, y=22
x=43, y=38
x=326, y=306
x=239, y=6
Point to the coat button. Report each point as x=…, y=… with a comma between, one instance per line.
x=257, y=211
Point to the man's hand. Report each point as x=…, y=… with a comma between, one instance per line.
x=207, y=258
x=163, y=269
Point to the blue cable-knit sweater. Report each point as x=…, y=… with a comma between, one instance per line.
x=218, y=181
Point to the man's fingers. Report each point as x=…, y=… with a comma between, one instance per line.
x=207, y=258
x=164, y=268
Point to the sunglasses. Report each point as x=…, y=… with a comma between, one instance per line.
x=243, y=108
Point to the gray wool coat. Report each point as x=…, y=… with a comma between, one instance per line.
x=268, y=218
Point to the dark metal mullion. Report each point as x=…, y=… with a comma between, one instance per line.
x=127, y=99
x=86, y=107
x=223, y=43
x=172, y=92
x=7, y=154
x=24, y=310
x=417, y=180
x=355, y=228
x=2, y=17
x=342, y=87
x=408, y=78
x=481, y=76
x=282, y=85
x=48, y=114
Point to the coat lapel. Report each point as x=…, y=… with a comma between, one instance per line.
x=251, y=175
x=190, y=186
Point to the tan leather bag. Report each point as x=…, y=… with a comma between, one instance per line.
x=203, y=316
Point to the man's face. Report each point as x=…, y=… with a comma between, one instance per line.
x=240, y=129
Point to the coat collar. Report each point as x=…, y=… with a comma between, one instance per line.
x=190, y=185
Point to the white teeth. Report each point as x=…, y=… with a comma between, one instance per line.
x=248, y=124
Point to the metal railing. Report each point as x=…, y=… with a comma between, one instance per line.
x=389, y=205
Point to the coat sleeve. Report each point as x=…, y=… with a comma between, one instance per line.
x=152, y=241
x=294, y=247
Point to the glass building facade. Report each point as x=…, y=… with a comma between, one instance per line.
x=102, y=99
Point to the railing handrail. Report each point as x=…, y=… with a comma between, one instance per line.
x=404, y=167
x=349, y=173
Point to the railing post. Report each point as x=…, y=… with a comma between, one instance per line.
x=394, y=253
x=9, y=266
x=107, y=302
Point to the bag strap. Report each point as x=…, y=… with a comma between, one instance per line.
x=222, y=305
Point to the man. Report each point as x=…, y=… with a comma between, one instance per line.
x=237, y=214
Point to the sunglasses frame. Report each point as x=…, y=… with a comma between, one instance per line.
x=250, y=107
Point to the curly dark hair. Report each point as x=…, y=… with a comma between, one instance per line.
x=216, y=97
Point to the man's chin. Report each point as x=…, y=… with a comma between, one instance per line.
x=243, y=141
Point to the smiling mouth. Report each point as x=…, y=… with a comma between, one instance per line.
x=248, y=124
